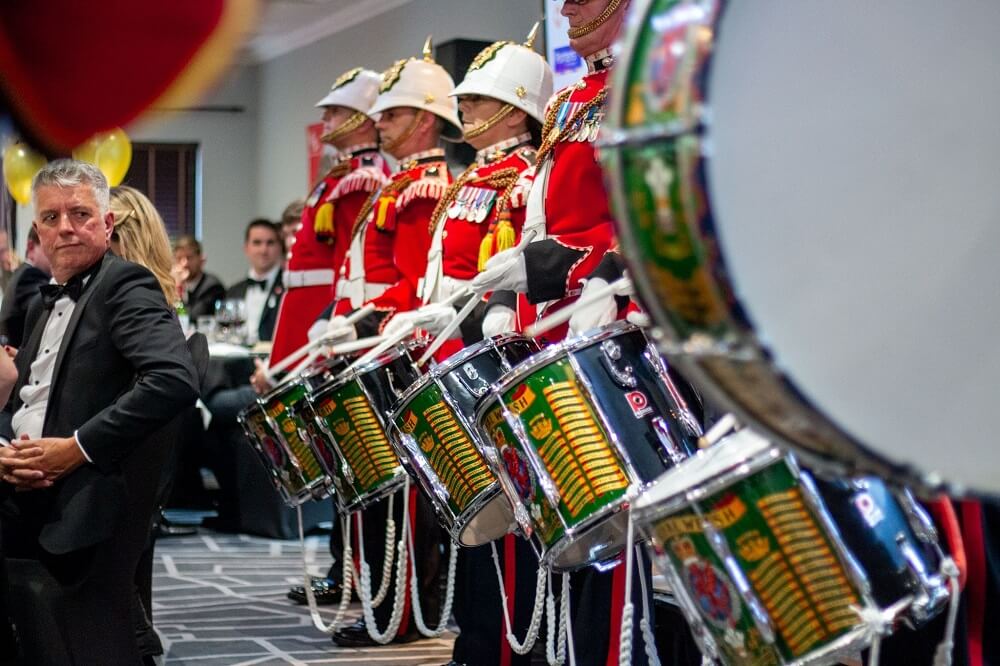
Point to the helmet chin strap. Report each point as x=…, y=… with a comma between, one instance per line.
x=344, y=128
x=602, y=18
x=489, y=123
x=405, y=135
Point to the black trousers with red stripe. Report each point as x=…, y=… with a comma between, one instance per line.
x=597, y=600
x=478, y=609
x=428, y=545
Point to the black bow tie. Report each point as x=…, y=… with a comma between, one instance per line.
x=260, y=284
x=53, y=292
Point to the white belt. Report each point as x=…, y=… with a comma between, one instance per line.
x=375, y=289
x=312, y=278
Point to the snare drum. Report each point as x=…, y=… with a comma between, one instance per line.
x=434, y=432
x=351, y=411
x=578, y=427
x=281, y=467
x=758, y=561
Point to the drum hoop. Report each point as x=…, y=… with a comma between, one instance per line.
x=461, y=357
x=550, y=354
x=762, y=453
x=571, y=535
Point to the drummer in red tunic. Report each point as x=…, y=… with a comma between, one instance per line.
x=501, y=101
x=391, y=236
x=323, y=237
x=568, y=208
x=386, y=259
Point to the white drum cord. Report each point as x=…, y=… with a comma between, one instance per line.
x=536, y=613
x=648, y=638
x=556, y=656
x=345, y=580
x=628, y=611
x=942, y=655
x=387, y=560
x=449, y=595
x=363, y=585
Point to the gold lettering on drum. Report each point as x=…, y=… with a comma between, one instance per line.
x=366, y=447
x=726, y=516
x=326, y=408
x=455, y=459
x=576, y=453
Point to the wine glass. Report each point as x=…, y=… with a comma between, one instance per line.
x=230, y=315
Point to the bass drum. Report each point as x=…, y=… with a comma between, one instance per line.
x=806, y=205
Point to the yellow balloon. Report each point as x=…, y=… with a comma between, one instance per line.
x=20, y=164
x=87, y=151
x=114, y=155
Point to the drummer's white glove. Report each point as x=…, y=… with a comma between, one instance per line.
x=599, y=313
x=434, y=318
x=400, y=321
x=338, y=330
x=499, y=319
x=317, y=330
x=505, y=271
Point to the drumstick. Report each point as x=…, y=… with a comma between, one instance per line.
x=289, y=360
x=381, y=347
x=470, y=306
x=355, y=345
x=620, y=286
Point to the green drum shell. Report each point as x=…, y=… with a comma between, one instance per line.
x=344, y=412
x=544, y=405
x=285, y=473
x=440, y=445
x=655, y=147
x=282, y=409
x=757, y=518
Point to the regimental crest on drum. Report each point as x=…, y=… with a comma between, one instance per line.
x=711, y=588
x=342, y=428
x=519, y=471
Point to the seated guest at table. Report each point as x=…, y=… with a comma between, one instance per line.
x=104, y=365
x=291, y=220
x=21, y=289
x=262, y=289
x=197, y=289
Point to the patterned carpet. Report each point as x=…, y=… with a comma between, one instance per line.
x=219, y=600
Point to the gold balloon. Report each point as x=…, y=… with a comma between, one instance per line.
x=114, y=155
x=87, y=151
x=20, y=164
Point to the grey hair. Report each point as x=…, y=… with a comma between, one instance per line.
x=72, y=173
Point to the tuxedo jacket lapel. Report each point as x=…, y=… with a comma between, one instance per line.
x=74, y=320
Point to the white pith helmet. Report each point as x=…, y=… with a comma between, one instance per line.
x=354, y=89
x=420, y=84
x=512, y=73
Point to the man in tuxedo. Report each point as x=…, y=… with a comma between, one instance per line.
x=103, y=366
x=262, y=289
x=23, y=287
x=199, y=290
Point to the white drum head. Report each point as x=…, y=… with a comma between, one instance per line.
x=855, y=159
x=707, y=464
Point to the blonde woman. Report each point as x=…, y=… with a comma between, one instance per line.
x=139, y=236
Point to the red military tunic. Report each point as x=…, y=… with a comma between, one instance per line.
x=388, y=254
x=322, y=241
x=570, y=211
x=480, y=214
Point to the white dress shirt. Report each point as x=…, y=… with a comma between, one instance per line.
x=30, y=418
x=256, y=299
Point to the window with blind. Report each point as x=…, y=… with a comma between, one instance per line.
x=167, y=174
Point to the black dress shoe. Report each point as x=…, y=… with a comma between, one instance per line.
x=356, y=635
x=326, y=591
